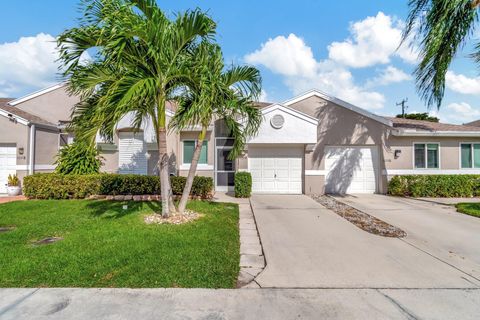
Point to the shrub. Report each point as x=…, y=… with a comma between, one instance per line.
x=435, y=185
x=58, y=186
x=78, y=158
x=243, y=184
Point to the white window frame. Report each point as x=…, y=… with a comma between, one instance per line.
x=460, y=155
x=200, y=166
x=426, y=155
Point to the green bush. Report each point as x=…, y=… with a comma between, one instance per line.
x=78, y=158
x=58, y=186
x=243, y=184
x=435, y=186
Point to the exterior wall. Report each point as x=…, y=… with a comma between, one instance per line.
x=46, y=148
x=52, y=106
x=339, y=126
x=449, y=152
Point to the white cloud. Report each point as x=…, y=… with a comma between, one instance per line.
x=373, y=40
x=462, y=84
x=263, y=96
x=29, y=62
x=288, y=56
x=292, y=58
x=461, y=112
x=387, y=76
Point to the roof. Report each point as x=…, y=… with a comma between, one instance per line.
x=9, y=109
x=340, y=103
x=261, y=104
x=423, y=125
x=37, y=93
x=475, y=123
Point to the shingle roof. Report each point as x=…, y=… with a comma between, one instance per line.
x=475, y=123
x=22, y=114
x=422, y=125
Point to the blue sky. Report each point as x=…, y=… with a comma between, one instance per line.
x=345, y=48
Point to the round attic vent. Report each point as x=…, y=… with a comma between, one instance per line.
x=277, y=121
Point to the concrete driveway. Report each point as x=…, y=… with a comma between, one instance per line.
x=436, y=229
x=308, y=246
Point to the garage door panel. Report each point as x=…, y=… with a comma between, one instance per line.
x=276, y=169
x=8, y=163
x=351, y=169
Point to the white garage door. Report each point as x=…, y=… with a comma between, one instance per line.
x=132, y=153
x=351, y=169
x=8, y=163
x=276, y=169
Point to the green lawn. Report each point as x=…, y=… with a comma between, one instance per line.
x=106, y=246
x=472, y=209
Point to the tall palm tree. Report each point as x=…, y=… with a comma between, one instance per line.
x=218, y=94
x=442, y=28
x=142, y=60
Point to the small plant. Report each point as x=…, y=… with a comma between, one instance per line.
x=243, y=185
x=13, y=180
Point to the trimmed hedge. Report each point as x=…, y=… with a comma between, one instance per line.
x=243, y=184
x=57, y=186
x=435, y=186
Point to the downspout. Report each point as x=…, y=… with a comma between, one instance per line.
x=31, y=150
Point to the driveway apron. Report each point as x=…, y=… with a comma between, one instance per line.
x=309, y=246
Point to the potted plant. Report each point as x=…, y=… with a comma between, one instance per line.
x=13, y=185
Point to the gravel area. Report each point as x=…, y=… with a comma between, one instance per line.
x=359, y=218
x=177, y=218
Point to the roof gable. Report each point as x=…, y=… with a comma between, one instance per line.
x=339, y=102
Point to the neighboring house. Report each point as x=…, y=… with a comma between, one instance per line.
x=311, y=144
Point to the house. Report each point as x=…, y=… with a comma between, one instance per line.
x=312, y=144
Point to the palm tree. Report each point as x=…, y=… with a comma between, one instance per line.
x=442, y=28
x=142, y=60
x=218, y=94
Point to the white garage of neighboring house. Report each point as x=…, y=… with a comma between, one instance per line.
x=8, y=164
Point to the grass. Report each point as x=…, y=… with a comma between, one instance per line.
x=106, y=246
x=472, y=209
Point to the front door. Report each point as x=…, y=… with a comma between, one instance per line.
x=224, y=168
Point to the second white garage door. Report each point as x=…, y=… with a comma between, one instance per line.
x=276, y=169
x=351, y=169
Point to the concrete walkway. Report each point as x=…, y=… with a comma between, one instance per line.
x=308, y=246
x=5, y=199
x=146, y=304
x=438, y=230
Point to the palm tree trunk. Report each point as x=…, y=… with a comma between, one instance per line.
x=165, y=189
x=192, y=171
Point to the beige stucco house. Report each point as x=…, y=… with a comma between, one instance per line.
x=311, y=144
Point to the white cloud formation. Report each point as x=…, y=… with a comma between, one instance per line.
x=29, y=62
x=461, y=112
x=462, y=84
x=373, y=40
x=292, y=58
x=387, y=76
x=263, y=96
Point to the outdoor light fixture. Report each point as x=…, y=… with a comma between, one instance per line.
x=20, y=151
x=397, y=153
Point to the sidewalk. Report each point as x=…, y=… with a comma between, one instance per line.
x=145, y=304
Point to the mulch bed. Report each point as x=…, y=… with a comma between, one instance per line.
x=359, y=218
x=176, y=218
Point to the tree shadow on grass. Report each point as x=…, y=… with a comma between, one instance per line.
x=115, y=210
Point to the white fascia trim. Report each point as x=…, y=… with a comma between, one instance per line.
x=290, y=111
x=393, y=172
x=410, y=133
x=349, y=106
x=19, y=119
x=37, y=93
x=315, y=172
x=45, y=167
x=200, y=167
x=25, y=167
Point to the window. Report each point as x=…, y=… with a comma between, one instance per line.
x=470, y=155
x=426, y=155
x=189, y=148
